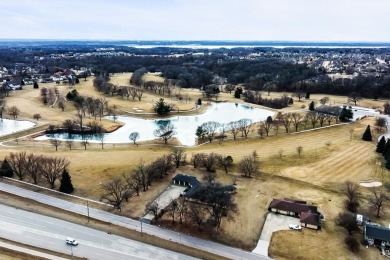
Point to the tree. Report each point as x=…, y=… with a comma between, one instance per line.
x=312, y=106
x=210, y=129
x=226, y=162
x=35, y=85
x=378, y=200
x=219, y=203
x=296, y=119
x=6, y=169
x=115, y=192
x=299, y=94
x=367, y=134
x=209, y=161
x=69, y=144
x=18, y=163
x=233, y=128
x=348, y=221
x=37, y=116
x=85, y=142
x=380, y=122
x=354, y=97
x=178, y=155
x=324, y=100
x=345, y=114
x=299, y=150
x=244, y=125
x=381, y=145
x=52, y=169
x=162, y=108
x=249, y=165
x=55, y=143
x=182, y=208
x=34, y=166
x=165, y=131
x=133, y=182
x=66, y=183
x=134, y=136
x=61, y=105
x=386, y=149
x=197, y=215
x=172, y=210
x=351, y=191
x=14, y=111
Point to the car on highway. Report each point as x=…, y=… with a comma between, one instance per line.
x=295, y=227
x=71, y=241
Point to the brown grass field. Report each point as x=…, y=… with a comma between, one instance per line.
x=315, y=176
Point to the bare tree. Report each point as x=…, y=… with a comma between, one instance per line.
x=299, y=94
x=196, y=214
x=313, y=117
x=380, y=122
x=85, y=142
x=115, y=192
x=178, y=156
x=209, y=176
x=348, y=221
x=14, y=111
x=172, y=209
x=18, y=163
x=244, y=125
x=286, y=121
x=141, y=173
x=324, y=100
x=61, y=105
x=378, y=200
x=209, y=161
x=267, y=125
x=154, y=207
x=165, y=131
x=33, y=167
x=249, y=165
x=351, y=190
x=210, y=129
x=37, y=116
x=134, y=136
x=299, y=150
x=52, y=169
x=55, y=143
x=296, y=119
x=233, y=128
x=354, y=98
x=133, y=182
x=226, y=162
x=69, y=144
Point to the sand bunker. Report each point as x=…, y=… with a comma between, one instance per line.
x=371, y=184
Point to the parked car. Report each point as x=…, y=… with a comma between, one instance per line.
x=71, y=241
x=295, y=227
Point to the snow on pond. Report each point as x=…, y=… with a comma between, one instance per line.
x=185, y=126
x=8, y=126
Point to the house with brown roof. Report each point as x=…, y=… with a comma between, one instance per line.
x=307, y=214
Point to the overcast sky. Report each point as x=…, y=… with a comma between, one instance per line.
x=293, y=20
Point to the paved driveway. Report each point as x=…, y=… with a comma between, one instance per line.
x=273, y=222
x=276, y=222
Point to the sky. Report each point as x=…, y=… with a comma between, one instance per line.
x=244, y=20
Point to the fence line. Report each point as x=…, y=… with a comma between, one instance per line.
x=58, y=192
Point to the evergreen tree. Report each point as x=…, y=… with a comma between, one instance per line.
x=66, y=183
x=162, y=108
x=381, y=145
x=345, y=114
x=6, y=170
x=367, y=134
x=386, y=149
x=387, y=164
x=311, y=106
x=307, y=96
x=36, y=85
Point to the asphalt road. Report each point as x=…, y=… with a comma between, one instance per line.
x=50, y=233
x=205, y=245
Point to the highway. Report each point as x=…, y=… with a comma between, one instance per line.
x=205, y=245
x=50, y=233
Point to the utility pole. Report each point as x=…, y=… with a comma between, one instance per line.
x=88, y=210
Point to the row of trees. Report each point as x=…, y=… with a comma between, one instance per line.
x=141, y=177
x=101, y=84
x=36, y=168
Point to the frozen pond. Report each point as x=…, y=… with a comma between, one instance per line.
x=8, y=126
x=185, y=126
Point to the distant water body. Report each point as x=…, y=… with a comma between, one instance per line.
x=195, y=44
x=252, y=44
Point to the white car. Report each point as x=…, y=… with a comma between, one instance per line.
x=71, y=241
x=295, y=227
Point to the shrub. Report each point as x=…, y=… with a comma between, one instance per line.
x=352, y=244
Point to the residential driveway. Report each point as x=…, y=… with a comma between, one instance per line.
x=276, y=222
x=165, y=198
x=273, y=222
